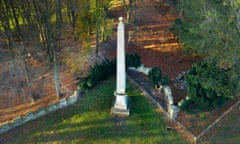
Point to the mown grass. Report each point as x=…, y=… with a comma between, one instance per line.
x=89, y=121
x=227, y=131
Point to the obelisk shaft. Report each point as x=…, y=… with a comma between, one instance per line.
x=121, y=99
x=121, y=67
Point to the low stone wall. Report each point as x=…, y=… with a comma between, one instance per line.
x=166, y=114
x=194, y=138
x=19, y=120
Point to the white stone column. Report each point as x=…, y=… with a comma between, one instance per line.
x=121, y=102
x=121, y=66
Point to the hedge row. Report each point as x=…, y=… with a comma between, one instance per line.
x=102, y=71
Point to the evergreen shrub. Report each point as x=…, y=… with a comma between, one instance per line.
x=209, y=86
x=102, y=71
x=155, y=75
x=133, y=60
x=156, y=79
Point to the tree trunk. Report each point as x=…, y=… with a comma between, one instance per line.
x=56, y=47
x=97, y=26
x=129, y=9
x=56, y=77
x=15, y=17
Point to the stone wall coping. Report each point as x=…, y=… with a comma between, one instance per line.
x=19, y=120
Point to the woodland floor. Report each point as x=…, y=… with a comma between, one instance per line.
x=151, y=38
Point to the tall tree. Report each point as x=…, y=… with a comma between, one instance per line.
x=72, y=6
x=92, y=18
x=10, y=15
x=50, y=33
x=5, y=16
x=130, y=9
x=101, y=8
x=211, y=29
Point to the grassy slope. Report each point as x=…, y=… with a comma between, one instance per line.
x=89, y=121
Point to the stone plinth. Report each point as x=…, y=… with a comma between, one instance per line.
x=121, y=106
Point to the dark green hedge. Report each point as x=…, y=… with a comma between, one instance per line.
x=133, y=60
x=102, y=71
x=209, y=86
x=156, y=79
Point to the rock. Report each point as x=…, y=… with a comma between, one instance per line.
x=181, y=102
x=142, y=69
x=173, y=110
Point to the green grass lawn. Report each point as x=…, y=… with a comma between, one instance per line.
x=227, y=131
x=89, y=121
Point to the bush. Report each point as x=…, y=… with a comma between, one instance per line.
x=156, y=79
x=155, y=76
x=165, y=80
x=102, y=71
x=82, y=83
x=133, y=60
x=209, y=86
x=96, y=74
x=187, y=105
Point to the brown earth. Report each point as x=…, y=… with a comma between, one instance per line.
x=150, y=37
x=17, y=98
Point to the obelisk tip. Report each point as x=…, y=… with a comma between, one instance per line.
x=120, y=19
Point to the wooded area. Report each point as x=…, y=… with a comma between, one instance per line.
x=210, y=30
x=45, y=45
x=30, y=27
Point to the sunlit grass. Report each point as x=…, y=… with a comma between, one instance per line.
x=89, y=121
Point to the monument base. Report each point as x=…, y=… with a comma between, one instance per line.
x=121, y=105
x=120, y=112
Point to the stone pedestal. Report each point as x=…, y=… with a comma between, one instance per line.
x=121, y=106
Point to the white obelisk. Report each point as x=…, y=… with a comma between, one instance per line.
x=121, y=102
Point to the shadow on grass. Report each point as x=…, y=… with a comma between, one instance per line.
x=89, y=121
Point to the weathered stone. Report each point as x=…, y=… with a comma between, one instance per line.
x=72, y=99
x=5, y=127
x=120, y=112
x=29, y=116
x=53, y=107
x=142, y=69
x=168, y=93
x=173, y=110
x=40, y=112
x=181, y=102
x=17, y=121
x=63, y=102
x=121, y=99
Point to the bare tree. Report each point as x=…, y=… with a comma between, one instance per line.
x=16, y=47
x=130, y=9
x=50, y=33
x=72, y=8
